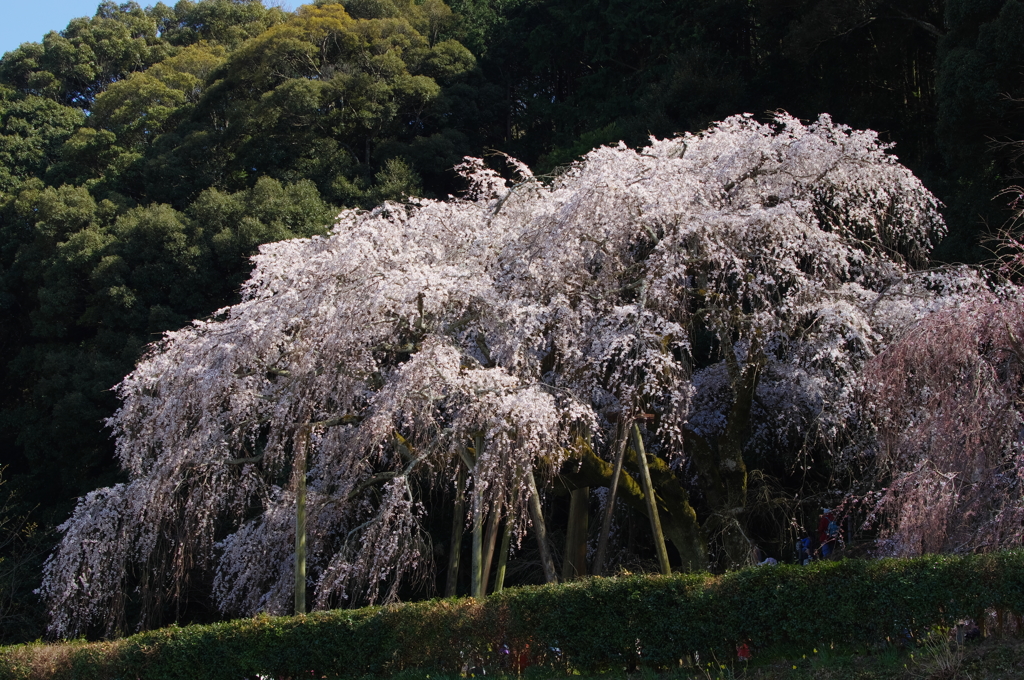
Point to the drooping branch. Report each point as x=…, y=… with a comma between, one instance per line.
x=385, y=476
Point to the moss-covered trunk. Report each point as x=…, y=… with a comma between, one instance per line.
x=678, y=518
x=722, y=471
x=575, y=563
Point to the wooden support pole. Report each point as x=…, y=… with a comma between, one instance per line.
x=652, y=504
x=458, y=525
x=546, y=561
x=301, y=440
x=606, y=522
x=476, y=581
x=506, y=539
x=490, y=538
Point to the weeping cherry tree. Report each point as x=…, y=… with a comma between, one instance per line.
x=674, y=311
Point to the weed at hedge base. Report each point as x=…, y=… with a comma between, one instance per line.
x=990, y=659
x=941, y=656
x=716, y=670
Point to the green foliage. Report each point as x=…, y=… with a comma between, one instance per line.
x=73, y=66
x=979, y=75
x=313, y=98
x=32, y=130
x=23, y=547
x=226, y=22
x=236, y=224
x=589, y=626
x=87, y=284
x=572, y=70
x=136, y=181
x=144, y=104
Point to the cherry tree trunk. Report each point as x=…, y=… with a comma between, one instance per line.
x=723, y=471
x=575, y=563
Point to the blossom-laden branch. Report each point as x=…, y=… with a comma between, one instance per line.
x=946, y=409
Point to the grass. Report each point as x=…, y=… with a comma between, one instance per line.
x=934, y=658
x=937, y=657
x=942, y=654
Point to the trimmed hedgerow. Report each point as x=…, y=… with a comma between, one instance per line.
x=588, y=625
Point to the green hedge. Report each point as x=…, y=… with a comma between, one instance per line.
x=589, y=625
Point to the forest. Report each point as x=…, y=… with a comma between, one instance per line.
x=657, y=388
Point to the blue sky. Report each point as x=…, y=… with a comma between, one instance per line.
x=29, y=20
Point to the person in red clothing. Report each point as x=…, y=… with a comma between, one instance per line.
x=828, y=532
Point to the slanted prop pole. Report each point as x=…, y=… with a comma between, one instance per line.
x=301, y=439
x=652, y=503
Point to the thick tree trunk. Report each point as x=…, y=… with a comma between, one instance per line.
x=575, y=563
x=678, y=518
x=723, y=481
x=722, y=470
x=547, y=563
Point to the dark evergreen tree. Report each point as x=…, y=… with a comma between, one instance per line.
x=980, y=82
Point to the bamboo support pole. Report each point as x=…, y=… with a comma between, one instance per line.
x=476, y=581
x=490, y=538
x=301, y=439
x=506, y=539
x=652, y=504
x=606, y=522
x=458, y=526
x=546, y=561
